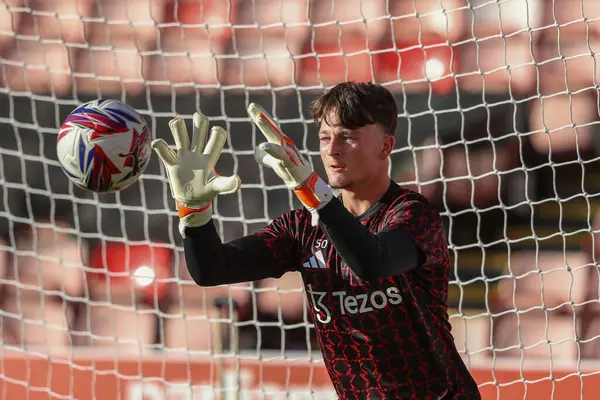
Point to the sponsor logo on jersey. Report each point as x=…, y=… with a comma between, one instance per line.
x=361, y=303
x=315, y=261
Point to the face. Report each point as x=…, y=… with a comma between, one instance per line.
x=352, y=157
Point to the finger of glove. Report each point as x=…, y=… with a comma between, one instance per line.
x=200, y=132
x=180, y=134
x=164, y=152
x=214, y=147
x=266, y=124
x=224, y=184
x=276, y=151
x=267, y=158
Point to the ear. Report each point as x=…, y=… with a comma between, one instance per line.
x=389, y=141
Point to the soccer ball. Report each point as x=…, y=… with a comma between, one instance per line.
x=104, y=146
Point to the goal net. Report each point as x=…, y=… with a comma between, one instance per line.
x=498, y=127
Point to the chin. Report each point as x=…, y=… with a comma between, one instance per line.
x=340, y=184
x=340, y=180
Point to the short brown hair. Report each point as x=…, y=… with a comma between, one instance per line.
x=357, y=105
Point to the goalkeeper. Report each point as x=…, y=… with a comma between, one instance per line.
x=374, y=261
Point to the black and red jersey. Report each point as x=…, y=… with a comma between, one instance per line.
x=384, y=337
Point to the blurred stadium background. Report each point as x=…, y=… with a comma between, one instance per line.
x=498, y=126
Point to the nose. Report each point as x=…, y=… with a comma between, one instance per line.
x=335, y=147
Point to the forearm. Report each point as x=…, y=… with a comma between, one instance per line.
x=369, y=256
x=211, y=262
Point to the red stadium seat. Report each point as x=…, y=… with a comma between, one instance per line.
x=471, y=335
x=114, y=61
x=263, y=51
x=475, y=177
x=418, y=66
x=421, y=46
x=568, y=45
x=126, y=282
x=496, y=54
x=569, y=16
x=284, y=295
x=419, y=21
x=46, y=269
x=10, y=22
x=556, y=114
x=533, y=329
x=497, y=65
x=343, y=38
x=590, y=330
x=43, y=54
x=189, y=319
x=554, y=282
x=332, y=63
x=193, y=40
x=63, y=20
x=140, y=267
x=544, y=303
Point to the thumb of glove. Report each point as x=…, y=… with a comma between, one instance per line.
x=224, y=184
x=164, y=152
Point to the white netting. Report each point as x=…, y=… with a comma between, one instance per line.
x=498, y=126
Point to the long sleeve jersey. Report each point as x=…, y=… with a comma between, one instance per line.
x=377, y=285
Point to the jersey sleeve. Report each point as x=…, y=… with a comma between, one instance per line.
x=269, y=253
x=369, y=255
x=281, y=243
x=419, y=220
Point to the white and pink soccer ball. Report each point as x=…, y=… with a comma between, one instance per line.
x=104, y=145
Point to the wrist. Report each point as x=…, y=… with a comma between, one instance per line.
x=314, y=193
x=194, y=215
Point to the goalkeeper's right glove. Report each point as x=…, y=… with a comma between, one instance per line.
x=190, y=170
x=280, y=154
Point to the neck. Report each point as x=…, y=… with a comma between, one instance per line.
x=359, y=199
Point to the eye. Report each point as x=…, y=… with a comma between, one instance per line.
x=324, y=139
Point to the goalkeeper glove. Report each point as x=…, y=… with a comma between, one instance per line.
x=280, y=154
x=190, y=170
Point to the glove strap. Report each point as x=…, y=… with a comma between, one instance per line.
x=192, y=216
x=314, y=193
x=184, y=210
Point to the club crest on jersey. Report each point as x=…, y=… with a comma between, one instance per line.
x=316, y=261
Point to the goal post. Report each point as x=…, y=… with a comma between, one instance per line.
x=497, y=126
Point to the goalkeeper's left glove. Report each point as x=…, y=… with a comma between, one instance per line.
x=190, y=170
x=280, y=154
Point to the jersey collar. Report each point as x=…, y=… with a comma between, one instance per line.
x=387, y=197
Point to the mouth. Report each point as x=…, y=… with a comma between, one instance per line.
x=337, y=168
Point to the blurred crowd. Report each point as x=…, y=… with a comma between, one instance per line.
x=498, y=127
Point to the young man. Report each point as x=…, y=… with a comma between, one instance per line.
x=374, y=260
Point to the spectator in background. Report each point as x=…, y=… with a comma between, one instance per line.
x=43, y=269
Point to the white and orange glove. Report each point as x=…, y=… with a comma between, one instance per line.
x=190, y=170
x=280, y=154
